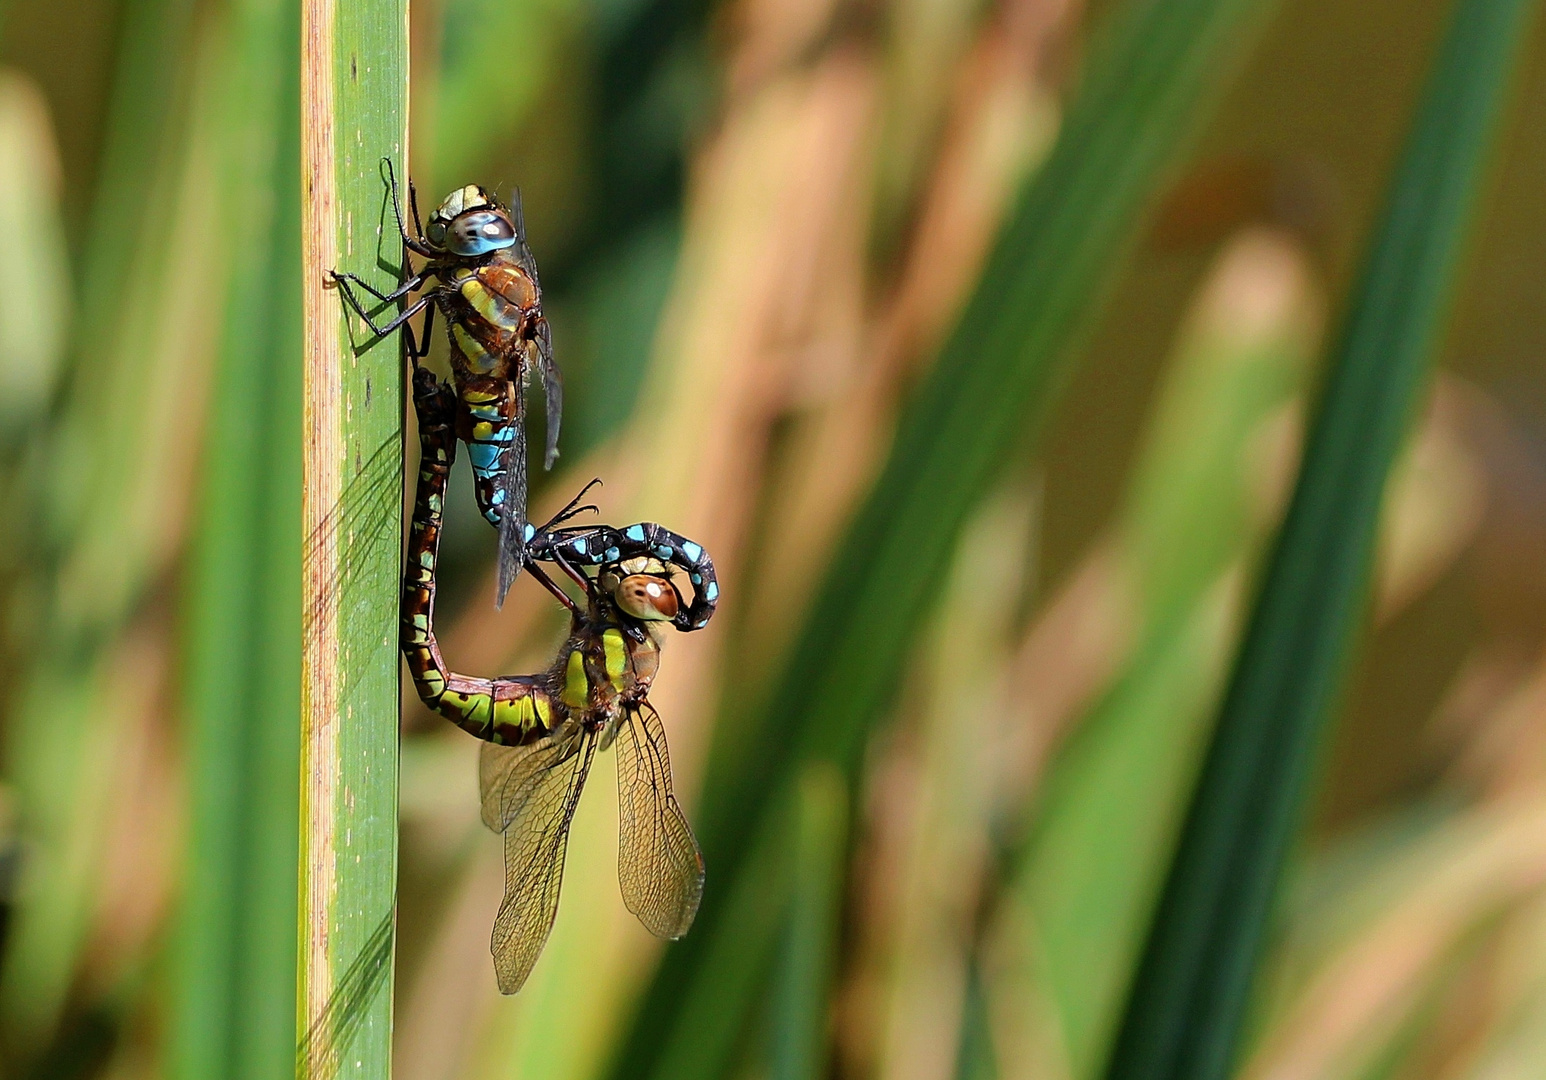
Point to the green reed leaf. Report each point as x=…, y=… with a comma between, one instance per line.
x=354, y=89
x=806, y=958
x=1189, y=999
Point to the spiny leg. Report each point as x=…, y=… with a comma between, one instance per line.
x=413, y=204
x=401, y=291
x=573, y=507
x=414, y=244
x=411, y=344
x=381, y=331
x=574, y=575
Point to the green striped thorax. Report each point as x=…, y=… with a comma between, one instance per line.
x=470, y=222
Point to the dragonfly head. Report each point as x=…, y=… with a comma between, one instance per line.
x=469, y=223
x=642, y=588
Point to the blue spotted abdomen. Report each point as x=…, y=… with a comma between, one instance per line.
x=603, y=544
x=490, y=425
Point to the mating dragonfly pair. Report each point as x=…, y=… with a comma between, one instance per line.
x=541, y=731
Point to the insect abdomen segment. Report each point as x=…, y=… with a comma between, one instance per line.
x=508, y=711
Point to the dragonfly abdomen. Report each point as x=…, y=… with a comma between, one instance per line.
x=509, y=711
x=490, y=425
x=604, y=544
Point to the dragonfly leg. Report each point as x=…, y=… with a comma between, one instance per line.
x=574, y=575
x=382, y=331
x=414, y=244
x=386, y=298
x=573, y=508
x=551, y=586
x=413, y=204
x=411, y=343
x=429, y=326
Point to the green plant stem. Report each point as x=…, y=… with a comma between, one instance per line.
x=354, y=102
x=1189, y=999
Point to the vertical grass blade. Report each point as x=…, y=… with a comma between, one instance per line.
x=354, y=95
x=235, y=1014
x=1184, y=1015
x=1143, y=96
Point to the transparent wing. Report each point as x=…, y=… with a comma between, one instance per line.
x=659, y=866
x=540, y=795
x=522, y=254
x=512, y=519
x=506, y=774
x=553, y=390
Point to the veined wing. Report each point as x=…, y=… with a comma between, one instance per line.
x=512, y=517
x=553, y=391
x=521, y=252
x=508, y=775
x=534, y=791
x=659, y=866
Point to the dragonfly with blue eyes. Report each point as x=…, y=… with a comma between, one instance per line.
x=482, y=278
x=541, y=731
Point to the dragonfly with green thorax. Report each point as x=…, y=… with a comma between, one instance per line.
x=481, y=276
x=541, y=731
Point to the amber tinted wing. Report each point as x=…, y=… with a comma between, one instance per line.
x=536, y=794
x=506, y=774
x=659, y=866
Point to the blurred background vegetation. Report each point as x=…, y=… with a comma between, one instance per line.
x=758, y=223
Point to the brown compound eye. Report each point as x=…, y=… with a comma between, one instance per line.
x=645, y=596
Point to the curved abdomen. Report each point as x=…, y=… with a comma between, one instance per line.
x=511, y=710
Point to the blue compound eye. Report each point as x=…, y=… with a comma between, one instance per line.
x=479, y=232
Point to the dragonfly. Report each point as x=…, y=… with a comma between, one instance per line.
x=541, y=731
x=482, y=277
